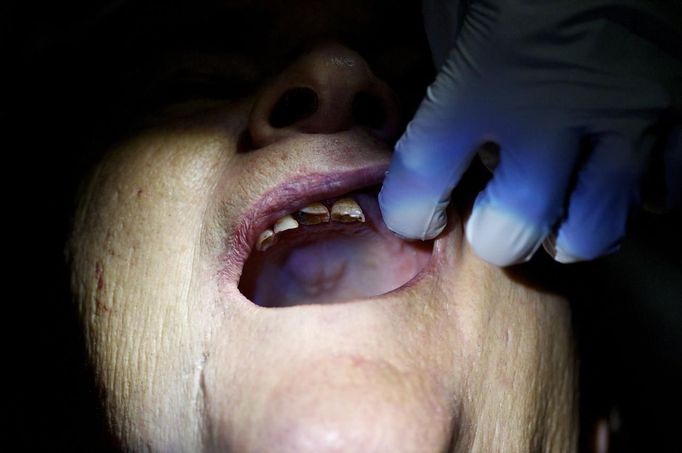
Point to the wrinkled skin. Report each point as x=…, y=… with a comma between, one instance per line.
x=464, y=359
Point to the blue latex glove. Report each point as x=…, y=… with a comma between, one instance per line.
x=536, y=77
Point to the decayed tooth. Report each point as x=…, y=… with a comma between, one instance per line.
x=347, y=210
x=313, y=214
x=266, y=240
x=285, y=223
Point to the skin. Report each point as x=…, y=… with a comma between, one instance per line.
x=463, y=359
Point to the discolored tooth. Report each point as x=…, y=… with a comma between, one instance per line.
x=347, y=210
x=266, y=240
x=313, y=214
x=285, y=223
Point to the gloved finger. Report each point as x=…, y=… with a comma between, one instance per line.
x=438, y=145
x=525, y=198
x=431, y=157
x=423, y=172
x=606, y=188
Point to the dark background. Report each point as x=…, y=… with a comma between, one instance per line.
x=628, y=306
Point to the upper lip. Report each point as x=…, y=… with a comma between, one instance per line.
x=290, y=196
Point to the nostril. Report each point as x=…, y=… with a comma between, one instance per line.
x=294, y=105
x=369, y=111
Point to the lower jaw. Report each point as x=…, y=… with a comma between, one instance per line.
x=344, y=377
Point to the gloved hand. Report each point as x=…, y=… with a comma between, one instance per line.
x=539, y=78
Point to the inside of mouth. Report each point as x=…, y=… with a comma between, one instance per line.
x=333, y=262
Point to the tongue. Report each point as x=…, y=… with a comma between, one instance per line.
x=333, y=263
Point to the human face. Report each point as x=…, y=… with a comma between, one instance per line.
x=381, y=345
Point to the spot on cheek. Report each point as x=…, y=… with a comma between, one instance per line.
x=139, y=193
x=100, y=298
x=99, y=272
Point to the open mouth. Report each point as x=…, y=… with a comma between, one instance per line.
x=329, y=249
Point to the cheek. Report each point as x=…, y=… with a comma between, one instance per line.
x=141, y=288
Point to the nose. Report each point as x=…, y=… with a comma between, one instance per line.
x=328, y=89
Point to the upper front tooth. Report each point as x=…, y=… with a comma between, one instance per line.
x=313, y=214
x=266, y=240
x=285, y=223
x=347, y=210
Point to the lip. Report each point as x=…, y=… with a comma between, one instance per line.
x=290, y=196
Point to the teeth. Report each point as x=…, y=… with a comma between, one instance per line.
x=285, y=223
x=266, y=240
x=347, y=210
x=313, y=214
x=344, y=210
